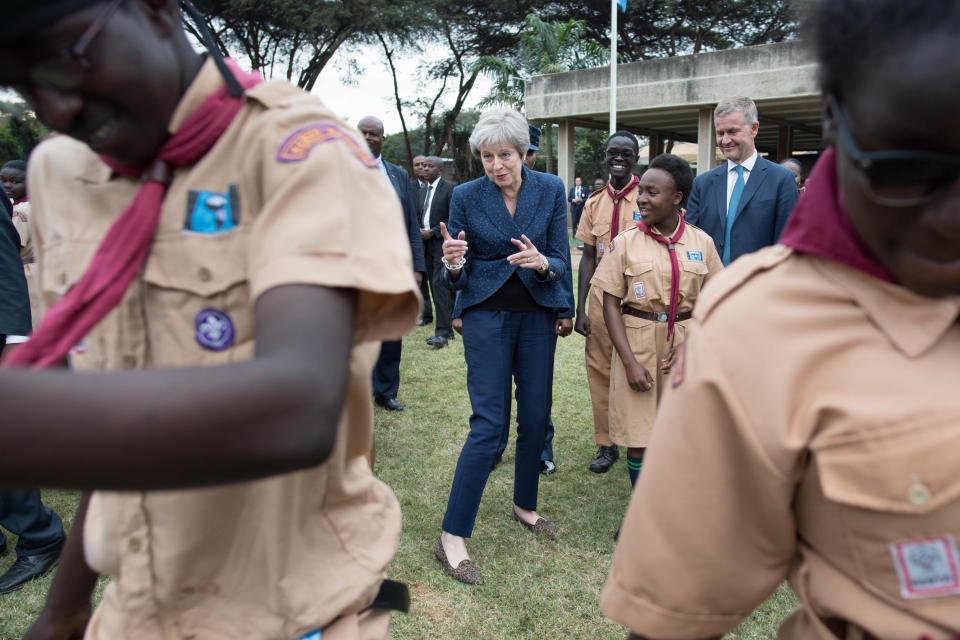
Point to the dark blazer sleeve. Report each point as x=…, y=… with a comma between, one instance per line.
x=695, y=203
x=558, y=246
x=787, y=196
x=14, y=301
x=440, y=206
x=404, y=193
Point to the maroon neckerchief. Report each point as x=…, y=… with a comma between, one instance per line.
x=617, y=197
x=819, y=223
x=21, y=200
x=125, y=247
x=674, y=268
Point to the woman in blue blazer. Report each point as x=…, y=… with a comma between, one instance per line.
x=507, y=257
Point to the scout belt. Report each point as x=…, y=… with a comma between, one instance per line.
x=662, y=316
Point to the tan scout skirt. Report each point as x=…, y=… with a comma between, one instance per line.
x=632, y=412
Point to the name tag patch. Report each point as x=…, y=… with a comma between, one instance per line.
x=214, y=330
x=299, y=144
x=927, y=568
x=636, y=215
x=696, y=256
x=638, y=291
x=211, y=212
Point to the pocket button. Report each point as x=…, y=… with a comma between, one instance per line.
x=918, y=494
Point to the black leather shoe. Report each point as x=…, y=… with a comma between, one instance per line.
x=547, y=467
x=390, y=404
x=28, y=568
x=422, y=322
x=606, y=456
x=438, y=342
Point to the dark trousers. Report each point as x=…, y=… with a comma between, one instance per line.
x=442, y=293
x=39, y=528
x=386, y=373
x=576, y=211
x=500, y=347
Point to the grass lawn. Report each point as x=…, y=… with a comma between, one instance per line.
x=534, y=588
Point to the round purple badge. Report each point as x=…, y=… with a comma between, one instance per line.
x=214, y=330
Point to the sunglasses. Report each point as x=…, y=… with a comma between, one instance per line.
x=897, y=178
x=66, y=69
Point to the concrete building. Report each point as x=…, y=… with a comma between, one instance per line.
x=674, y=98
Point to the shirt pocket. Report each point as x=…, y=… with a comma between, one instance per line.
x=197, y=299
x=896, y=490
x=642, y=285
x=692, y=275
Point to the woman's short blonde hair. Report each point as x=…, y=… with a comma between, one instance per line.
x=500, y=126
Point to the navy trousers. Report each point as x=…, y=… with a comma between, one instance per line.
x=500, y=347
x=386, y=373
x=39, y=528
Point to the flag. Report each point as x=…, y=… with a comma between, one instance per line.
x=623, y=5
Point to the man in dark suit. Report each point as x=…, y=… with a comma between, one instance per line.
x=40, y=530
x=576, y=198
x=386, y=373
x=434, y=208
x=418, y=171
x=744, y=203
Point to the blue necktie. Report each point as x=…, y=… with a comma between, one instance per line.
x=732, y=212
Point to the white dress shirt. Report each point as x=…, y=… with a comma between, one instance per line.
x=748, y=165
x=426, y=208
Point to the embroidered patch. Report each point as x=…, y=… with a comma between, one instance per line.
x=214, y=330
x=211, y=212
x=679, y=365
x=638, y=291
x=696, y=256
x=928, y=567
x=636, y=215
x=298, y=145
x=600, y=248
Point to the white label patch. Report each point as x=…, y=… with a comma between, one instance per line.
x=638, y=291
x=928, y=567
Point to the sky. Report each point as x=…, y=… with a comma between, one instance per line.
x=371, y=92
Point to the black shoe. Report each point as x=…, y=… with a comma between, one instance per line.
x=390, y=404
x=452, y=335
x=438, y=342
x=606, y=456
x=27, y=568
x=547, y=467
x=422, y=322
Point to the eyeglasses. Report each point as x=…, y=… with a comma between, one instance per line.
x=613, y=153
x=66, y=69
x=897, y=178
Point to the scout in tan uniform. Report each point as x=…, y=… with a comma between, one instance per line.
x=812, y=427
x=650, y=284
x=618, y=197
x=227, y=424
x=14, y=178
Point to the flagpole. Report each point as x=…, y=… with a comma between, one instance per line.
x=613, y=66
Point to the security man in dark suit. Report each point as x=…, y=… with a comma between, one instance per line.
x=744, y=203
x=386, y=373
x=39, y=529
x=434, y=208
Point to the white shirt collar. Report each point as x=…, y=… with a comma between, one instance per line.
x=747, y=164
x=432, y=184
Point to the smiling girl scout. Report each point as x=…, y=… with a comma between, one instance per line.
x=650, y=284
x=813, y=431
x=224, y=289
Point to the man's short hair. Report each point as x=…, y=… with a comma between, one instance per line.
x=744, y=105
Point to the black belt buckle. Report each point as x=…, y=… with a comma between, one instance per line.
x=393, y=596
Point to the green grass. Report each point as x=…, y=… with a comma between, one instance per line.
x=534, y=588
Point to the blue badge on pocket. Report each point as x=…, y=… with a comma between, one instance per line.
x=212, y=212
x=313, y=635
x=636, y=215
x=696, y=256
x=214, y=330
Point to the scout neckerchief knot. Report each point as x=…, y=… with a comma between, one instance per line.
x=127, y=244
x=819, y=223
x=674, y=269
x=617, y=197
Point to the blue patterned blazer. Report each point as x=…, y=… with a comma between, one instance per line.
x=477, y=208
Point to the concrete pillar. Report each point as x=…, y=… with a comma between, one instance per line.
x=706, y=141
x=566, y=168
x=784, y=142
x=655, y=146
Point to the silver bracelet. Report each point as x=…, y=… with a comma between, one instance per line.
x=454, y=267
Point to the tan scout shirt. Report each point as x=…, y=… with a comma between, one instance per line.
x=278, y=557
x=594, y=227
x=21, y=220
x=811, y=431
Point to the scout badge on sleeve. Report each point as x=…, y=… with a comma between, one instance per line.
x=298, y=144
x=214, y=329
x=928, y=567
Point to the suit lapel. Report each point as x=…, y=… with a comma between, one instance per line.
x=753, y=185
x=527, y=210
x=720, y=193
x=496, y=210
